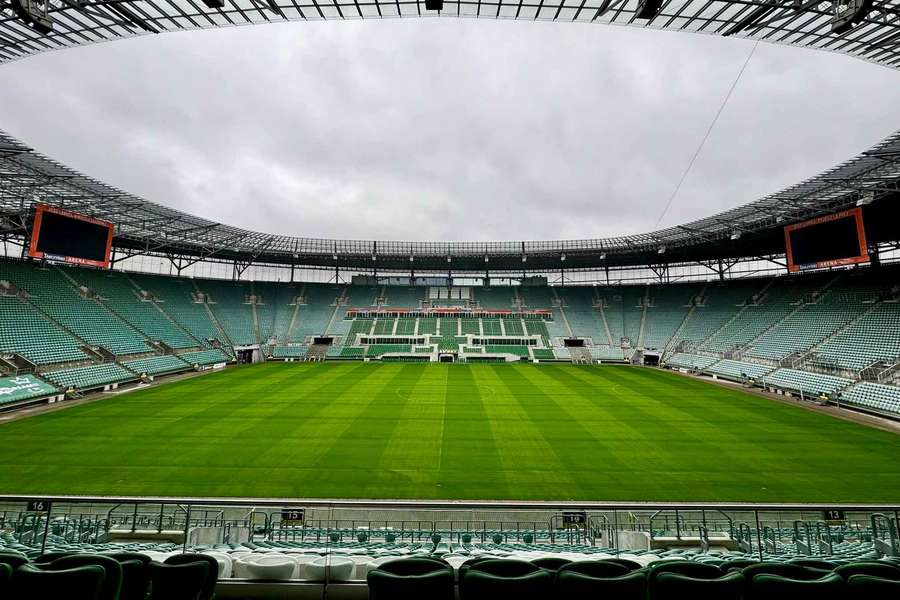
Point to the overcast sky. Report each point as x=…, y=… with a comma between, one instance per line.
x=445, y=129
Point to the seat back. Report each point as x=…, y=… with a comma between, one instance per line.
x=414, y=566
x=873, y=568
x=571, y=584
x=595, y=568
x=49, y=557
x=178, y=582
x=479, y=585
x=788, y=570
x=774, y=587
x=674, y=585
x=80, y=583
x=212, y=573
x=13, y=559
x=112, y=582
x=437, y=584
x=867, y=586
x=135, y=580
x=551, y=563
x=503, y=567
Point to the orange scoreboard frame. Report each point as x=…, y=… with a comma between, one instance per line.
x=863, y=256
x=40, y=210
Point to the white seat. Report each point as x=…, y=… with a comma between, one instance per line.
x=225, y=563
x=271, y=567
x=335, y=568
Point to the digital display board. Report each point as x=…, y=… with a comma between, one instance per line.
x=64, y=236
x=829, y=241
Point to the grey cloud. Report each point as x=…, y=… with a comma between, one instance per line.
x=442, y=129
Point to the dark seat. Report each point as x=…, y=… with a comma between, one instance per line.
x=13, y=559
x=178, y=582
x=867, y=586
x=417, y=579
x=789, y=570
x=123, y=556
x=673, y=585
x=80, y=583
x=775, y=587
x=814, y=563
x=112, y=582
x=685, y=568
x=497, y=566
x=883, y=570
x=212, y=573
x=6, y=572
x=596, y=568
x=632, y=565
x=551, y=563
x=738, y=563
x=49, y=557
x=414, y=566
x=480, y=585
x=571, y=584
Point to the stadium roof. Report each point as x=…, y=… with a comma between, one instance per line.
x=872, y=178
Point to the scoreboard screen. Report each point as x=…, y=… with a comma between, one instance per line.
x=829, y=241
x=64, y=236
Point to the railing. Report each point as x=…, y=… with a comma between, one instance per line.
x=506, y=526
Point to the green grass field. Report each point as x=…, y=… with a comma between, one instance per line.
x=449, y=432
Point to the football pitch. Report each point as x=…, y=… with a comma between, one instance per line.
x=477, y=432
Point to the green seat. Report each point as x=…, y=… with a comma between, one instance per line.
x=595, y=568
x=775, y=587
x=479, y=585
x=867, y=586
x=135, y=579
x=417, y=565
x=212, y=573
x=415, y=580
x=631, y=565
x=673, y=585
x=6, y=572
x=571, y=584
x=13, y=559
x=80, y=583
x=49, y=557
x=503, y=567
x=873, y=568
x=551, y=563
x=686, y=568
x=177, y=582
x=814, y=563
x=112, y=581
x=788, y=570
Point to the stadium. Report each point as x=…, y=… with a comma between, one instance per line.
x=707, y=409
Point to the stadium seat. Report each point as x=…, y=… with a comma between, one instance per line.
x=135, y=579
x=571, y=584
x=631, y=565
x=332, y=568
x=49, y=557
x=685, y=568
x=775, y=587
x=667, y=586
x=868, y=586
x=212, y=573
x=814, y=563
x=595, y=568
x=480, y=585
x=881, y=569
x=80, y=583
x=411, y=579
x=178, y=582
x=417, y=565
x=782, y=570
x=13, y=559
x=112, y=580
x=551, y=563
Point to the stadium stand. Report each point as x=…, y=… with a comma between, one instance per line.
x=121, y=297
x=157, y=365
x=205, y=357
x=821, y=332
x=177, y=298
x=734, y=369
x=289, y=351
x=874, y=396
x=89, y=377
x=802, y=381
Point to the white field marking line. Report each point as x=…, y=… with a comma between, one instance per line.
x=116, y=392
